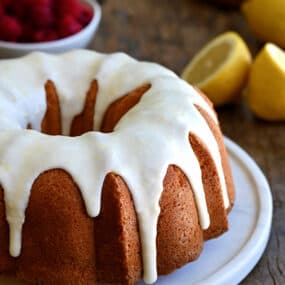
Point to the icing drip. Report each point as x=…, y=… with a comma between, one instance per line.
x=133, y=150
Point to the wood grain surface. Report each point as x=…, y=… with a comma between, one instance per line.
x=170, y=33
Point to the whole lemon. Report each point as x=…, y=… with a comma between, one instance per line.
x=266, y=19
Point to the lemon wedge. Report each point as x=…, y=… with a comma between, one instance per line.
x=221, y=68
x=266, y=19
x=266, y=86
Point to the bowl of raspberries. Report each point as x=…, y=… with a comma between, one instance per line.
x=46, y=25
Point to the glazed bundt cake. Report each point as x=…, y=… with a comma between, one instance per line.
x=111, y=170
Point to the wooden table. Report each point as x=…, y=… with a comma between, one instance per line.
x=171, y=32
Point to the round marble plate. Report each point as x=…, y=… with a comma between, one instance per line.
x=228, y=259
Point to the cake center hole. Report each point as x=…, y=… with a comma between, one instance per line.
x=83, y=122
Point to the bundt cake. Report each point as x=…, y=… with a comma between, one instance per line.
x=111, y=170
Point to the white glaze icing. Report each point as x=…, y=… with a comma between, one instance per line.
x=133, y=150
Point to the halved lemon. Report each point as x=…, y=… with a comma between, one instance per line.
x=221, y=68
x=266, y=86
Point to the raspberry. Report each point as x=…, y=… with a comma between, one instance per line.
x=18, y=9
x=67, y=7
x=27, y=33
x=68, y=26
x=85, y=15
x=42, y=16
x=39, y=36
x=41, y=20
x=45, y=36
x=51, y=35
x=45, y=3
x=5, y=3
x=10, y=28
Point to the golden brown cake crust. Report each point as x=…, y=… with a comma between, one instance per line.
x=58, y=235
x=51, y=123
x=118, y=251
x=120, y=107
x=222, y=148
x=179, y=236
x=212, y=188
x=83, y=122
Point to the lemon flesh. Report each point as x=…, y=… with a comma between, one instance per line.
x=266, y=88
x=220, y=69
x=205, y=66
x=266, y=19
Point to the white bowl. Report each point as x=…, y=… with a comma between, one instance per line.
x=79, y=40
